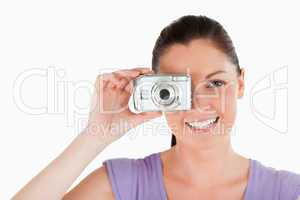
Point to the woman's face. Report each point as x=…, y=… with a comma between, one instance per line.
x=215, y=89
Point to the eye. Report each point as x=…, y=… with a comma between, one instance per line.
x=215, y=83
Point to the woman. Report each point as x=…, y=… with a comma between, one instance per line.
x=201, y=163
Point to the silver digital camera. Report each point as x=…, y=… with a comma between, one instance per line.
x=161, y=92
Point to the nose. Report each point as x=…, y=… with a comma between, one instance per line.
x=201, y=104
x=202, y=101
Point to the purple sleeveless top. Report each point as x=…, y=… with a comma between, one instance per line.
x=142, y=179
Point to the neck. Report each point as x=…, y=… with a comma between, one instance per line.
x=209, y=164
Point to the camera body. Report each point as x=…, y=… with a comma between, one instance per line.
x=161, y=92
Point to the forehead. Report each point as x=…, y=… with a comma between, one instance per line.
x=199, y=57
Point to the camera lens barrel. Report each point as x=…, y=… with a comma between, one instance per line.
x=164, y=94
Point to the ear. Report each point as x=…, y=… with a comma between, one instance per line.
x=241, y=84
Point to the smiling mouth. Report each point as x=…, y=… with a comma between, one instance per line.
x=203, y=125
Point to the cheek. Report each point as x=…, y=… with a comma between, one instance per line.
x=175, y=121
x=227, y=105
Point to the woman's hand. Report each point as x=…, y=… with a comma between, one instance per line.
x=110, y=117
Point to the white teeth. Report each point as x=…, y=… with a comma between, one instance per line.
x=202, y=124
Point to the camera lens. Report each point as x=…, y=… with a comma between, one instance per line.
x=164, y=94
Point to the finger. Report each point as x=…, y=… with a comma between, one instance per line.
x=100, y=82
x=122, y=83
x=111, y=80
x=142, y=69
x=111, y=85
x=129, y=87
x=145, y=71
x=121, y=80
x=127, y=73
x=132, y=73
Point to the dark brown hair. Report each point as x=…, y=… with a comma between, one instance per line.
x=190, y=27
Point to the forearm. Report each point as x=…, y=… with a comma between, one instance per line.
x=53, y=181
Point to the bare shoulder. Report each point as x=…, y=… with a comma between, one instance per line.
x=95, y=186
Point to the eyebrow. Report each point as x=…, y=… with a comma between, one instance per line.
x=214, y=73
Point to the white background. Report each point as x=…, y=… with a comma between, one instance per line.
x=76, y=39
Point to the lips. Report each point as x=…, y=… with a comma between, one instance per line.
x=203, y=125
